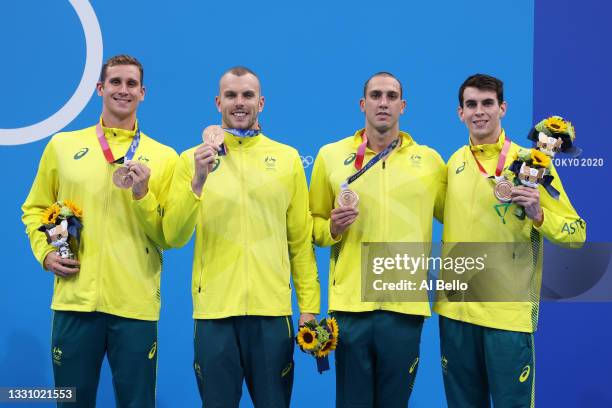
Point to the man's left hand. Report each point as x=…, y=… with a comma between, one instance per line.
x=305, y=317
x=529, y=198
x=140, y=175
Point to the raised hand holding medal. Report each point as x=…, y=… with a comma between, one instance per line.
x=205, y=156
x=345, y=213
x=214, y=135
x=347, y=200
x=503, y=189
x=121, y=177
x=139, y=175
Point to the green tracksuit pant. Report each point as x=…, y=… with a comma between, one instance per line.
x=258, y=349
x=480, y=364
x=377, y=358
x=79, y=342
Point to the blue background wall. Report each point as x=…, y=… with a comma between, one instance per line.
x=313, y=59
x=572, y=77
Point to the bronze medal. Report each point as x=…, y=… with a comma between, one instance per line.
x=348, y=198
x=503, y=190
x=213, y=135
x=121, y=178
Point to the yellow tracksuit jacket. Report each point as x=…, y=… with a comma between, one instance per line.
x=253, y=230
x=469, y=216
x=121, y=239
x=397, y=199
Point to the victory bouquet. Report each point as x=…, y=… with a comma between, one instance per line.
x=61, y=222
x=532, y=166
x=553, y=135
x=319, y=339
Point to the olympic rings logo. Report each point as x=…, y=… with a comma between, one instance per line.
x=83, y=93
x=307, y=161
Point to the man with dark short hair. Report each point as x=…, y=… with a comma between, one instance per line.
x=107, y=300
x=393, y=201
x=247, y=199
x=487, y=346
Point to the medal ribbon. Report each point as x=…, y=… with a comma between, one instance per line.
x=243, y=132
x=108, y=154
x=371, y=163
x=498, y=171
x=500, y=162
x=361, y=151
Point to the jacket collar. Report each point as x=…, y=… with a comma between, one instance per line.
x=237, y=142
x=118, y=135
x=406, y=140
x=489, y=150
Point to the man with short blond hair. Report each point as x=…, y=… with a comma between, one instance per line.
x=247, y=199
x=107, y=300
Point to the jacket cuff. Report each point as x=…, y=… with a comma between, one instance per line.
x=544, y=228
x=46, y=252
x=146, y=203
x=329, y=239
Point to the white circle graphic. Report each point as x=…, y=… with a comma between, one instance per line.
x=83, y=93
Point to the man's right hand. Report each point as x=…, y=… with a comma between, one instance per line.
x=60, y=266
x=205, y=156
x=341, y=218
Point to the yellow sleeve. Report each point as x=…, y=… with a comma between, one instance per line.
x=181, y=213
x=561, y=225
x=42, y=194
x=150, y=209
x=321, y=203
x=441, y=187
x=301, y=250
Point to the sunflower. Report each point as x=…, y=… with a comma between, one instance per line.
x=50, y=214
x=76, y=211
x=556, y=124
x=539, y=159
x=333, y=326
x=307, y=338
x=327, y=348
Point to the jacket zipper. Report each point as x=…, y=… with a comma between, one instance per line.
x=384, y=207
x=244, y=229
x=108, y=191
x=201, y=272
x=201, y=259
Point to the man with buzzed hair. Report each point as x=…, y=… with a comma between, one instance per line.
x=392, y=201
x=107, y=300
x=248, y=202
